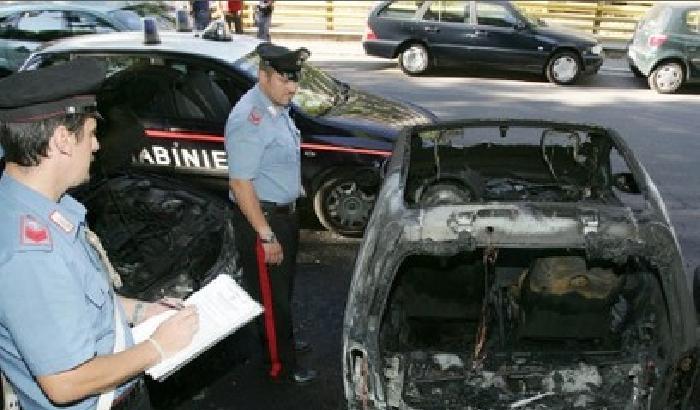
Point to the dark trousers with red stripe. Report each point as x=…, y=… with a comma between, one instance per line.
x=281, y=283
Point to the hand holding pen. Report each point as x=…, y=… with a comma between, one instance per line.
x=162, y=305
x=171, y=303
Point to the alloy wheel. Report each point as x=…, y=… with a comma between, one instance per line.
x=414, y=60
x=344, y=206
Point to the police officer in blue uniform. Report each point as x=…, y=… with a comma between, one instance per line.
x=64, y=335
x=263, y=147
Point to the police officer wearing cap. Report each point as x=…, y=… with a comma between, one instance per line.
x=263, y=147
x=65, y=340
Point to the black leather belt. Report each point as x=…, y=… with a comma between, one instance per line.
x=130, y=397
x=279, y=209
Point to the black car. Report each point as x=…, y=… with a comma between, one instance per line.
x=520, y=264
x=492, y=34
x=665, y=47
x=182, y=89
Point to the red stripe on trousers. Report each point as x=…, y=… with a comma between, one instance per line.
x=268, y=314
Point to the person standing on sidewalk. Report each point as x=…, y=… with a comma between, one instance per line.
x=201, y=14
x=64, y=338
x=234, y=9
x=263, y=147
x=263, y=18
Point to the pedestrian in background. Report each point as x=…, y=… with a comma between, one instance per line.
x=65, y=341
x=234, y=9
x=263, y=18
x=201, y=14
x=263, y=147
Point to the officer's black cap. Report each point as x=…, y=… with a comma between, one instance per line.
x=36, y=95
x=285, y=61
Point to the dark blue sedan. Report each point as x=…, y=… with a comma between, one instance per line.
x=490, y=34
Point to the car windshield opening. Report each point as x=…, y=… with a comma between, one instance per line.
x=508, y=163
x=318, y=92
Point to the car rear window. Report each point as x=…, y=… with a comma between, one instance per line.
x=655, y=19
x=692, y=21
x=400, y=9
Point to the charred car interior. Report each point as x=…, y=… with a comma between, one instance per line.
x=159, y=234
x=522, y=264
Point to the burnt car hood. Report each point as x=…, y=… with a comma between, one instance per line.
x=376, y=113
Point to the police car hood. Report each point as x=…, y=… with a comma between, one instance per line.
x=365, y=108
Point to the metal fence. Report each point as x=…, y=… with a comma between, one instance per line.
x=606, y=19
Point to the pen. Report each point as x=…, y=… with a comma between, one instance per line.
x=171, y=305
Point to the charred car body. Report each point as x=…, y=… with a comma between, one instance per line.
x=519, y=264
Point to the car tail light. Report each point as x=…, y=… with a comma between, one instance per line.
x=657, y=40
x=369, y=34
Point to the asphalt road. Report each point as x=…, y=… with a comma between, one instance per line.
x=662, y=130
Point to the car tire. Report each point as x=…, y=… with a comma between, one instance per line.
x=563, y=68
x=667, y=77
x=415, y=59
x=343, y=204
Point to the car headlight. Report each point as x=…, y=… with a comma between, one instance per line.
x=597, y=49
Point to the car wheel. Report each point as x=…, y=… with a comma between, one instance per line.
x=415, y=59
x=343, y=204
x=667, y=78
x=636, y=71
x=563, y=68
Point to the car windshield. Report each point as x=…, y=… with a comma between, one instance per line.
x=128, y=18
x=318, y=92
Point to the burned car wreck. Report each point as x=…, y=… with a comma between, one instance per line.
x=518, y=264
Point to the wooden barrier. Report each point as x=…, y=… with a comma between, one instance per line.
x=608, y=20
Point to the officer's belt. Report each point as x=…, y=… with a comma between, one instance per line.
x=279, y=209
x=129, y=397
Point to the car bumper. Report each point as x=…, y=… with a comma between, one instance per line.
x=592, y=63
x=636, y=58
x=380, y=48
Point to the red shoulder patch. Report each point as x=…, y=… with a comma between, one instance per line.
x=255, y=117
x=33, y=232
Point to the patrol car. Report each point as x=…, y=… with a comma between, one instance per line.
x=181, y=88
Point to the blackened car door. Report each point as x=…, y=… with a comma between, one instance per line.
x=504, y=38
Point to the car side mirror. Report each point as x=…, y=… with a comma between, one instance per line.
x=521, y=26
x=624, y=181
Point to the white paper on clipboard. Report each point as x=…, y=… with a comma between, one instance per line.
x=223, y=307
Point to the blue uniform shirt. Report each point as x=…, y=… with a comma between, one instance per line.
x=263, y=146
x=56, y=304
